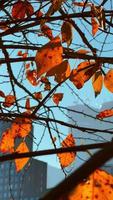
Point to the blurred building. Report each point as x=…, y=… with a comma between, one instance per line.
x=29, y=183
x=85, y=116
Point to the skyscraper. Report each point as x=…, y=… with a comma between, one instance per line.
x=28, y=184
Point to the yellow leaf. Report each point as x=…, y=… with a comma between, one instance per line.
x=97, y=82
x=108, y=80
x=67, y=158
x=20, y=163
x=66, y=32
x=49, y=56
x=98, y=186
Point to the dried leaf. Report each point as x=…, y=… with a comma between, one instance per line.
x=95, y=25
x=66, y=31
x=108, y=80
x=83, y=73
x=57, y=97
x=82, y=4
x=31, y=75
x=7, y=142
x=97, y=82
x=49, y=56
x=9, y=101
x=2, y=94
x=20, y=163
x=47, y=31
x=38, y=95
x=98, y=186
x=21, y=127
x=22, y=8
x=67, y=158
x=105, y=113
x=47, y=86
x=82, y=51
x=27, y=104
x=60, y=72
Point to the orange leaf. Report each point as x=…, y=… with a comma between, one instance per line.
x=31, y=75
x=108, y=80
x=49, y=56
x=27, y=104
x=66, y=32
x=57, y=98
x=67, y=158
x=21, y=127
x=97, y=186
x=9, y=101
x=20, y=163
x=82, y=4
x=82, y=51
x=38, y=95
x=39, y=13
x=22, y=8
x=47, y=86
x=7, y=142
x=60, y=72
x=97, y=82
x=2, y=94
x=95, y=25
x=83, y=73
x=105, y=113
x=47, y=31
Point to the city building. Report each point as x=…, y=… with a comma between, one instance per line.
x=85, y=116
x=30, y=183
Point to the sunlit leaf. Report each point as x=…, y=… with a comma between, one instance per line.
x=98, y=186
x=66, y=32
x=20, y=163
x=21, y=9
x=60, y=72
x=47, y=31
x=105, y=113
x=9, y=101
x=66, y=159
x=97, y=82
x=7, y=142
x=21, y=127
x=38, y=95
x=95, y=25
x=57, y=97
x=83, y=73
x=31, y=75
x=49, y=56
x=108, y=80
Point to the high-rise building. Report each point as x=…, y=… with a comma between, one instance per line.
x=29, y=183
x=85, y=116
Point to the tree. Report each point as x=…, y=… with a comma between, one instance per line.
x=38, y=41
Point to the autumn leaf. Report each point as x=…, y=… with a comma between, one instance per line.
x=9, y=101
x=82, y=51
x=105, y=113
x=38, y=95
x=7, y=142
x=66, y=159
x=22, y=8
x=31, y=75
x=47, y=86
x=57, y=97
x=2, y=94
x=20, y=163
x=95, y=25
x=108, y=80
x=66, y=32
x=47, y=31
x=21, y=127
x=97, y=82
x=82, y=4
x=60, y=72
x=83, y=73
x=99, y=185
x=49, y=56
x=27, y=104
